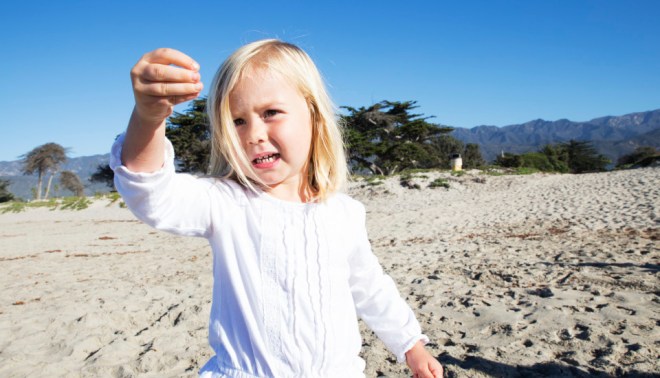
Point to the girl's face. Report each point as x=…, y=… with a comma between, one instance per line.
x=274, y=126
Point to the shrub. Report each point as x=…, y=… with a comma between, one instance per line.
x=113, y=197
x=407, y=181
x=14, y=207
x=5, y=195
x=509, y=160
x=75, y=203
x=472, y=156
x=637, y=156
x=439, y=183
x=525, y=170
x=537, y=161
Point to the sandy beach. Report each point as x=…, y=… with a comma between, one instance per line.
x=510, y=276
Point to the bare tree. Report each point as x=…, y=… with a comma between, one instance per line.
x=43, y=159
x=71, y=181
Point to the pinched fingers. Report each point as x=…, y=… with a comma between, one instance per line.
x=168, y=56
x=165, y=77
x=159, y=65
x=161, y=79
x=174, y=100
x=163, y=73
x=167, y=89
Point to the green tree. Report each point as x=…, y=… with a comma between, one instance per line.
x=472, y=156
x=190, y=137
x=5, y=194
x=105, y=175
x=636, y=156
x=573, y=156
x=444, y=147
x=71, y=182
x=42, y=160
x=509, y=160
x=536, y=160
x=583, y=157
x=557, y=156
x=386, y=137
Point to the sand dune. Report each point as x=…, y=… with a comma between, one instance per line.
x=538, y=275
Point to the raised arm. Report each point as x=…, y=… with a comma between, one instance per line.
x=143, y=159
x=161, y=79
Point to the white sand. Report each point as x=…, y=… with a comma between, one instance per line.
x=534, y=275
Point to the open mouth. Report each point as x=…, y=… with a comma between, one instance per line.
x=265, y=159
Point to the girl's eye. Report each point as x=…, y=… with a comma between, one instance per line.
x=239, y=122
x=270, y=113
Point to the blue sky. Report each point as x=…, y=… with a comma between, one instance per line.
x=65, y=66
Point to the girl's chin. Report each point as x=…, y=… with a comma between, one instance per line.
x=268, y=180
x=275, y=180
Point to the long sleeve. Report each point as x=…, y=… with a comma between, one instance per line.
x=377, y=300
x=168, y=201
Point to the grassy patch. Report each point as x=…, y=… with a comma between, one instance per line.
x=525, y=171
x=18, y=206
x=413, y=171
x=75, y=203
x=51, y=204
x=439, y=183
x=71, y=203
x=113, y=197
x=374, y=180
x=14, y=207
x=406, y=180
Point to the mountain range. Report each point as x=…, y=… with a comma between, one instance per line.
x=611, y=136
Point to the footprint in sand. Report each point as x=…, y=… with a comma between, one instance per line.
x=564, y=334
x=618, y=328
x=583, y=332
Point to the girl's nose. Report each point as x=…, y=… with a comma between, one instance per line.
x=257, y=131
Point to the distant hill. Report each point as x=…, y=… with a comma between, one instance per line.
x=21, y=185
x=612, y=136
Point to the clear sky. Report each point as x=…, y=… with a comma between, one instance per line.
x=65, y=64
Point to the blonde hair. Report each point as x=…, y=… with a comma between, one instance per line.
x=327, y=168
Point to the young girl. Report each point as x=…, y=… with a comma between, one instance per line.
x=293, y=268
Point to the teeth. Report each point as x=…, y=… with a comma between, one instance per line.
x=265, y=159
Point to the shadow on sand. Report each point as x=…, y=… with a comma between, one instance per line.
x=542, y=369
x=647, y=268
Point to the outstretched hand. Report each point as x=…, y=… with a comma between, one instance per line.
x=422, y=364
x=161, y=79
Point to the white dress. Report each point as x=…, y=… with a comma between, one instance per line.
x=290, y=279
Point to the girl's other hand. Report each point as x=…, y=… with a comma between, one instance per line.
x=422, y=364
x=161, y=79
